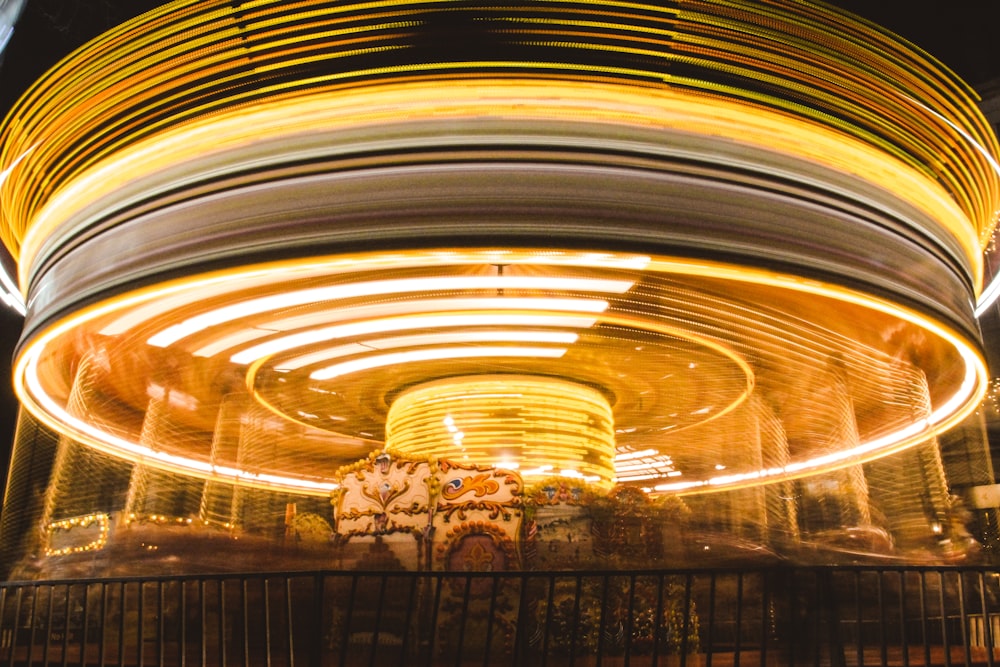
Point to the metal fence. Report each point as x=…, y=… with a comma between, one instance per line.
x=835, y=616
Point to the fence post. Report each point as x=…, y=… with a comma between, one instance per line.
x=829, y=603
x=316, y=645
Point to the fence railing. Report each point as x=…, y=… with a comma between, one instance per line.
x=836, y=616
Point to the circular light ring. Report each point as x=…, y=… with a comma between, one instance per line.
x=649, y=396
x=665, y=206
x=783, y=326
x=541, y=424
x=838, y=72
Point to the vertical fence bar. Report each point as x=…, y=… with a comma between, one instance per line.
x=85, y=622
x=550, y=600
x=17, y=624
x=31, y=616
x=221, y=590
x=765, y=616
x=105, y=622
x=963, y=618
x=795, y=624
x=924, y=628
x=883, y=639
x=6, y=632
x=182, y=619
x=739, y=619
x=710, y=633
x=49, y=624
x=657, y=621
x=348, y=620
x=120, y=656
x=438, y=579
x=859, y=625
x=68, y=610
x=203, y=609
x=575, y=636
x=490, y=617
x=820, y=584
x=903, y=638
x=629, y=618
x=161, y=627
x=463, y=617
x=141, y=624
x=987, y=628
x=245, y=613
x=945, y=639
x=3, y=617
x=289, y=623
x=378, y=619
x=603, y=617
x=686, y=625
x=266, y=583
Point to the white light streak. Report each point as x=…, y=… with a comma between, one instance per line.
x=260, y=305
x=433, y=354
x=315, y=336
x=554, y=337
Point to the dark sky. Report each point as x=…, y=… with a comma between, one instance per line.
x=964, y=34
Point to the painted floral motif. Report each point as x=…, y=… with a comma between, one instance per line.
x=480, y=485
x=478, y=559
x=383, y=494
x=385, y=491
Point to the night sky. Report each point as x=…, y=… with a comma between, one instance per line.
x=961, y=33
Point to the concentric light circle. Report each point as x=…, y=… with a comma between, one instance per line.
x=679, y=395
x=537, y=425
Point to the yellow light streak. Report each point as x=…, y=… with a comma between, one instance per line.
x=553, y=337
x=483, y=319
x=152, y=160
x=535, y=423
x=945, y=413
x=367, y=289
x=433, y=354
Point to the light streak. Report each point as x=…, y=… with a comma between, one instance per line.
x=367, y=289
x=554, y=337
x=433, y=354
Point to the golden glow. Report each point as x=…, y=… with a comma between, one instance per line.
x=537, y=424
x=528, y=336
x=564, y=102
x=99, y=518
x=433, y=354
x=903, y=102
x=58, y=418
x=367, y=289
x=33, y=390
x=173, y=117
x=501, y=319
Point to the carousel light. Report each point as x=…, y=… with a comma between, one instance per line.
x=543, y=425
x=203, y=321
x=433, y=354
